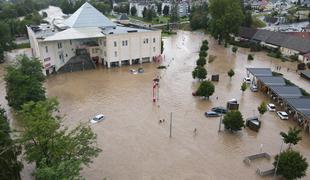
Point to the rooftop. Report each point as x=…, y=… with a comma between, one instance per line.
x=286, y=91
x=76, y=33
x=260, y=71
x=301, y=104
x=272, y=80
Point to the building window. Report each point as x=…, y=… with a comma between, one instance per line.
x=115, y=53
x=59, y=45
x=154, y=40
x=146, y=40
x=70, y=42
x=61, y=58
x=115, y=43
x=125, y=43
x=46, y=49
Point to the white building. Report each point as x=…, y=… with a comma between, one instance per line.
x=92, y=36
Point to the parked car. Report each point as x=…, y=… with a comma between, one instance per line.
x=247, y=80
x=97, y=118
x=253, y=123
x=271, y=107
x=283, y=115
x=212, y=114
x=253, y=88
x=219, y=109
x=233, y=101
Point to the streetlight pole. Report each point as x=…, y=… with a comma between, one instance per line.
x=170, y=125
x=275, y=171
x=220, y=123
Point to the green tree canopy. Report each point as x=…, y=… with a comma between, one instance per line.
x=133, y=10
x=166, y=10
x=231, y=73
x=233, y=121
x=201, y=61
x=292, y=164
x=244, y=86
x=226, y=18
x=174, y=15
x=203, y=54
x=57, y=152
x=199, y=17
x=200, y=73
x=24, y=82
x=10, y=167
x=159, y=8
x=206, y=89
x=262, y=108
x=292, y=136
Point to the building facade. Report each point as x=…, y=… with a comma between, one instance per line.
x=91, y=35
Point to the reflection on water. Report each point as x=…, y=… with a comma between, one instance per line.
x=135, y=146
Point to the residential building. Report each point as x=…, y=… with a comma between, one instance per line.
x=91, y=35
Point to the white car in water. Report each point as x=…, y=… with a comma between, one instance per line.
x=247, y=80
x=97, y=118
x=271, y=107
x=283, y=115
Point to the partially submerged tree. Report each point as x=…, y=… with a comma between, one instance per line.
x=200, y=73
x=203, y=54
x=233, y=121
x=206, y=89
x=24, y=82
x=291, y=137
x=262, y=108
x=292, y=164
x=234, y=49
x=231, y=73
x=201, y=61
x=10, y=167
x=244, y=86
x=57, y=152
x=133, y=10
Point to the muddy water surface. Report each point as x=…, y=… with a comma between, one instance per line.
x=136, y=147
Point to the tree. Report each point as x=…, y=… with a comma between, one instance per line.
x=166, y=10
x=248, y=19
x=57, y=152
x=233, y=121
x=244, y=86
x=6, y=40
x=174, y=15
x=291, y=137
x=150, y=14
x=204, y=47
x=10, y=167
x=199, y=17
x=200, y=73
x=262, y=108
x=24, y=82
x=133, y=10
x=226, y=18
x=144, y=12
x=159, y=8
x=201, y=61
x=206, y=89
x=234, y=49
x=292, y=164
x=203, y=54
x=231, y=73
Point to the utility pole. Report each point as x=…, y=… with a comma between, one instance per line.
x=275, y=171
x=170, y=125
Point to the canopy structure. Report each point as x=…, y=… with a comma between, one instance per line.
x=271, y=80
x=286, y=91
x=76, y=33
x=260, y=71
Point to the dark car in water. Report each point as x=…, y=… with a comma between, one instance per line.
x=219, y=109
x=212, y=114
x=253, y=123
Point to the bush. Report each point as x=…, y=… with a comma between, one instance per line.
x=201, y=61
x=205, y=89
x=250, y=57
x=234, y=49
x=200, y=73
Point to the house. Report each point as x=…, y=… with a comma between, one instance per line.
x=92, y=38
x=246, y=34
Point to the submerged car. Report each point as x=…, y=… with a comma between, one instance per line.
x=97, y=118
x=212, y=114
x=283, y=115
x=271, y=107
x=219, y=109
x=253, y=123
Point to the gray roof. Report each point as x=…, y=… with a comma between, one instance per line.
x=272, y=80
x=277, y=38
x=122, y=30
x=123, y=16
x=301, y=104
x=306, y=73
x=286, y=91
x=297, y=43
x=88, y=16
x=260, y=71
x=262, y=35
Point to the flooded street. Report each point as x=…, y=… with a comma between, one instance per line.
x=136, y=147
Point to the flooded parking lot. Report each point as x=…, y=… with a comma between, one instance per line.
x=135, y=146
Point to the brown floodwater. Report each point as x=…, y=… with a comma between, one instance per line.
x=136, y=147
